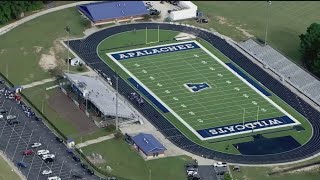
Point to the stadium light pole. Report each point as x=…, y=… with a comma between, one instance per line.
x=68, y=31
x=117, y=79
x=265, y=39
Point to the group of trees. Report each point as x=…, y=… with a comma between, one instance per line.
x=310, y=48
x=10, y=10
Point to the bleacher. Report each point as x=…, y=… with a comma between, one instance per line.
x=292, y=73
x=86, y=50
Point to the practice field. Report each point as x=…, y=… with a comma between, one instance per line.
x=211, y=98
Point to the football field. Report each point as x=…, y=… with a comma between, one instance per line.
x=211, y=98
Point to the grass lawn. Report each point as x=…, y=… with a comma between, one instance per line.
x=251, y=173
x=127, y=163
x=19, y=46
x=288, y=19
x=5, y=171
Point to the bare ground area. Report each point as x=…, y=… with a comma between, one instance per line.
x=70, y=112
x=223, y=20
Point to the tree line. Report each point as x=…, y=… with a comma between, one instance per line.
x=11, y=10
x=310, y=48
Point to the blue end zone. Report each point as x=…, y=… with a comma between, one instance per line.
x=248, y=126
x=154, y=51
x=252, y=82
x=148, y=95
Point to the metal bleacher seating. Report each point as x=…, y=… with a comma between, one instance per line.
x=86, y=50
x=294, y=74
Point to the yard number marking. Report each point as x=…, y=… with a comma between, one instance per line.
x=144, y=71
x=175, y=98
x=151, y=77
x=220, y=75
x=255, y=103
x=237, y=89
x=137, y=65
x=245, y=95
x=183, y=105
x=191, y=113
x=229, y=82
x=195, y=55
x=211, y=68
x=204, y=62
x=159, y=84
x=200, y=120
x=264, y=110
x=167, y=91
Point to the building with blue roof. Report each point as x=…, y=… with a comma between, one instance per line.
x=113, y=11
x=148, y=145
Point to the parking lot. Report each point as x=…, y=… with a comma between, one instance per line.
x=14, y=139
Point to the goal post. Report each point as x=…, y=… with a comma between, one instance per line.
x=158, y=36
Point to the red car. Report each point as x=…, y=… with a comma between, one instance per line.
x=28, y=152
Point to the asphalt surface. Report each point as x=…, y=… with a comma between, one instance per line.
x=14, y=139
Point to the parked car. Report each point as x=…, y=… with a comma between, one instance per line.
x=1, y=116
x=220, y=164
x=47, y=160
x=46, y=172
x=28, y=152
x=77, y=176
x=22, y=164
x=111, y=178
x=54, y=178
x=84, y=166
x=11, y=117
x=59, y=140
x=3, y=111
x=75, y=158
x=36, y=144
x=90, y=172
x=14, y=122
x=2, y=81
x=45, y=156
x=37, y=118
x=43, y=151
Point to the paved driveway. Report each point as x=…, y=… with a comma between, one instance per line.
x=14, y=139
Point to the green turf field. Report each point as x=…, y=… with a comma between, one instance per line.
x=227, y=100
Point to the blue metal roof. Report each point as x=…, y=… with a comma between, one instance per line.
x=114, y=9
x=147, y=143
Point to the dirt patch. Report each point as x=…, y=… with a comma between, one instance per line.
x=65, y=107
x=96, y=159
x=37, y=49
x=307, y=169
x=48, y=61
x=223, y=20
x=2, y=51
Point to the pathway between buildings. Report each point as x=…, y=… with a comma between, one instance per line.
x=94, y=141
x=38, y=83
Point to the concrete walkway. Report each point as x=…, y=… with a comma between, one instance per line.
x=14, y=168
x=8, y=27
x=94, y=141
x=38, y=83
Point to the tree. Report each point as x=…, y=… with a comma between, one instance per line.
x=310, y=48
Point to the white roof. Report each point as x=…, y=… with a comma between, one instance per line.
x=99, y=94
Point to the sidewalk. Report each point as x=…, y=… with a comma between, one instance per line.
x=94, y=141
x=8, y=27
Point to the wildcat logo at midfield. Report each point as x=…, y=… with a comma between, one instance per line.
x=154, y=51
x=196, y=87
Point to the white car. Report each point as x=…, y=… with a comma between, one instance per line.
x=46, y=172
x=45, y=156
x=35, y=145
x=11, y=117
x=43, y=151
x=1, y=116
x=220, y=164
x=54, y=178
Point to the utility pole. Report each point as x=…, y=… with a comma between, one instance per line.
x=68, y=31
x=265, y=39
x=117, y=120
